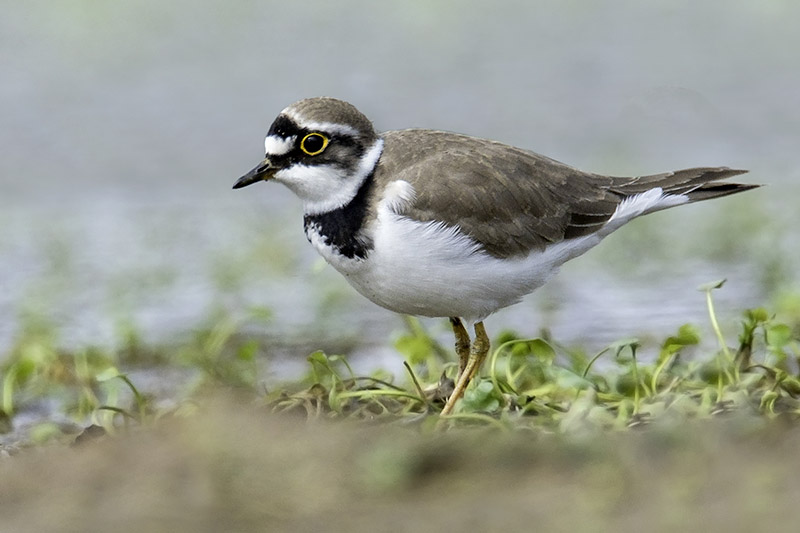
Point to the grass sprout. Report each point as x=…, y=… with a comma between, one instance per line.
x=528, y=384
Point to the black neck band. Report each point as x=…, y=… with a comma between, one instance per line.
x=341, y=227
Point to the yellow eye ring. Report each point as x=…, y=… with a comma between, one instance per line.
x=314, y=143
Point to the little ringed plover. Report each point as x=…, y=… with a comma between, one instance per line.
x=439, y=224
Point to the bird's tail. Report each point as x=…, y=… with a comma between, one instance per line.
x=696, y=184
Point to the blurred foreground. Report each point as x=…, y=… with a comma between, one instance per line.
x=231, y=468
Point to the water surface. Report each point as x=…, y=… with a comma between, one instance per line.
x=124, y=126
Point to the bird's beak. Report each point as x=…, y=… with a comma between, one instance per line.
x=263, y=172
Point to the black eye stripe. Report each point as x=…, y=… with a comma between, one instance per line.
x=284, y=127
x=337, y=139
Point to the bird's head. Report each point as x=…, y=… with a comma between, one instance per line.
x=322, y=149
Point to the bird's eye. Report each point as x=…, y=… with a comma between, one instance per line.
x=313, y=143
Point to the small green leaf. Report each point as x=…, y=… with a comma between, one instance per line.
x=688, y=335
x=791, y=385
x=569, y=380
x=620, y=345
x=107, y=374
x=710, y=286
x=542, y=350
x=482, y=397
x=757, y=315
x=248, y=351
x=768, y=401
x=779, y=335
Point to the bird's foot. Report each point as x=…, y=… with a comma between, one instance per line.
x=477, y=354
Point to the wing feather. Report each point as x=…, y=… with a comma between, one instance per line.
x=510, y=201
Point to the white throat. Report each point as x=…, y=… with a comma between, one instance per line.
x=323, y=188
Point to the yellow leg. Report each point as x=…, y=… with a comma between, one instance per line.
x=462, y=343
x=478, y=352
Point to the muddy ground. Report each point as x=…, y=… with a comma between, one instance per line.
x=233, y=467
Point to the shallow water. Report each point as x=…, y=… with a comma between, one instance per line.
x=125, y=125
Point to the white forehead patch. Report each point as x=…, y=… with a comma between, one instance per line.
x=328, y=127
x=274, y=145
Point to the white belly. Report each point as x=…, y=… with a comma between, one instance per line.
x=429, y=269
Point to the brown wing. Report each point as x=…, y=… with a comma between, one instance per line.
x=509, y=200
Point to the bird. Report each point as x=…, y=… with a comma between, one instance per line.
x=440, y=224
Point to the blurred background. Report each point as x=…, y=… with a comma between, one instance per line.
x=125, y=124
